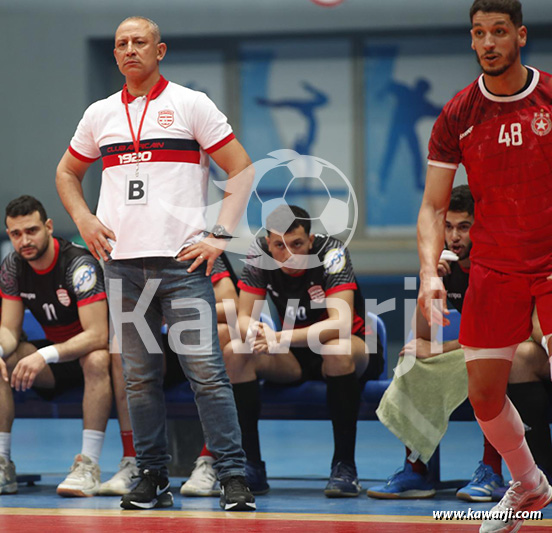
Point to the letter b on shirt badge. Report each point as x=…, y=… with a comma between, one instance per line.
x=136, y=190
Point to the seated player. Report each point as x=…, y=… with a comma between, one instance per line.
x=63, y=286
x=442, y=370
x=311, y=281
x=203, y=480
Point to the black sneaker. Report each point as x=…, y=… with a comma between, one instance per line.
x=343, y=481
x=152, y=491
x=235, y=495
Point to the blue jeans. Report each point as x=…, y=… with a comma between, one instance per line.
x=167, y=282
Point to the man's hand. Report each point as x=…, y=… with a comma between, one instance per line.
x=95, y=235
x=422, y=348
x=206, y=250
x=443, y=268
x=432, y=300
x=26, y=370
x=262, y=339
x=256, y=338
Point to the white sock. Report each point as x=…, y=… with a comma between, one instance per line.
x=92, y=442
x=506, y=433
x=5, y=445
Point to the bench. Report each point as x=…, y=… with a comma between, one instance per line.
x=306, y=401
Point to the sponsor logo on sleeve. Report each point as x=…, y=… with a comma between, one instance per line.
x=335, y=261
x=84, y=279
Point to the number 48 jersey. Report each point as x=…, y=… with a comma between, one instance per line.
x=54, y=295
x=505, y=144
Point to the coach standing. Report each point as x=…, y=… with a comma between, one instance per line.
x=153, y=138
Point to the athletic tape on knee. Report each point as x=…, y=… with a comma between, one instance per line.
x=506, y=353
x=506, y=431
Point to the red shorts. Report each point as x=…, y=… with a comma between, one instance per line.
x=497, y=308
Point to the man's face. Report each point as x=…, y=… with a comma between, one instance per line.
x=457, y=233
x=29, y=236
x=136, y=51
x=291, y=249
x=496, y=41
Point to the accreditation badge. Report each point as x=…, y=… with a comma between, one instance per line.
x=136, y=189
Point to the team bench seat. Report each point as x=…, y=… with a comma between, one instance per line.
x=303, y=402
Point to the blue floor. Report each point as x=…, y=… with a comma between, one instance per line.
x=300, y=450
x=291, y=448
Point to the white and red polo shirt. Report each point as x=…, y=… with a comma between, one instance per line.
x=158, y=208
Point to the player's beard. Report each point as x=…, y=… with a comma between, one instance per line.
x=465, y=253
x=39, y=251
x=511, y=58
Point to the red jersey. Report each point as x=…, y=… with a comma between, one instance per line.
x=505, y=144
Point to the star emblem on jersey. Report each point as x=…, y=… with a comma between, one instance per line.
x=63, y=297
x=541, y=124
x=165, y=118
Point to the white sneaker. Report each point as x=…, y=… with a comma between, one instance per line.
x=203, y=481
x=83, y=479
x=8, y=480
x=125, y=480
x=517, y=499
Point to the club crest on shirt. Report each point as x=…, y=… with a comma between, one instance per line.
x=541, y=123
x=165, y=118
x=316, y=293
x=84, y=278
x=63, y=297
x=334, y=260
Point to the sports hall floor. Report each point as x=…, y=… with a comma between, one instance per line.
x=297, y=454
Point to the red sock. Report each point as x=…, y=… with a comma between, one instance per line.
x=417, y=466
x=491, y=457
x=206, y=453
x=128, y=445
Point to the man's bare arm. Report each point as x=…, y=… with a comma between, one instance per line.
x=13, y=312
x=94, y=322
x=69, y=176
x=233, y=159
x=431, y=237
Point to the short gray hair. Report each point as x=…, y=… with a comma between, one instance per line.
x=153, y=25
